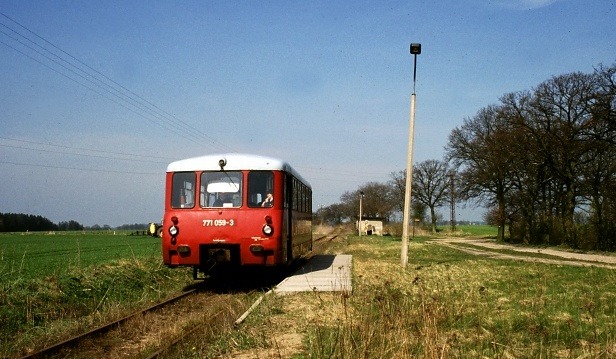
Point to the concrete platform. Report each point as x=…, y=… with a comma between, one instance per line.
x=323, y=273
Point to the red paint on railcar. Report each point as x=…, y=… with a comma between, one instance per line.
x=218, y=212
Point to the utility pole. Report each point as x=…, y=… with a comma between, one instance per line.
x=453, y=202
x=415, y=50
x=361, y=198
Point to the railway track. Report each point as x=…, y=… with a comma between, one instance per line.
x=120, y=338
x=72, y=342
x=321, y=243
x=318, y=247
x=154, y=331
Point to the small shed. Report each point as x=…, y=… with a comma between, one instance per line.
x=370, y=226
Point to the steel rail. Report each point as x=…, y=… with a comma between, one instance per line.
x=164, y=349
x=104, y=328
x=46, y=352
x=325, y=239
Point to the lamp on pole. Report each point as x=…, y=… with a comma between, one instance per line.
x=415, y=50
x=361, y=197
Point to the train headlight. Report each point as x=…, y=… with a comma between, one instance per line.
x=268, y=230
x=173, y=231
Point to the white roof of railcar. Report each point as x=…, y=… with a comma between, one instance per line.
x=234, y=162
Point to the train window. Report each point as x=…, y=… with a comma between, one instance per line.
x=260, y=184
x=300, y=198
x=285, y=190
x=298, y=195
x=304, y=198
x=303, y=209
x=296, y=191
x=222, y=189
x=183, y=190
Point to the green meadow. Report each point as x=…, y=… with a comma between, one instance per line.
x=58, y=283
x=446, y=304
x=32, y=255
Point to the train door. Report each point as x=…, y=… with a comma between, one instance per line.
x=288, y=215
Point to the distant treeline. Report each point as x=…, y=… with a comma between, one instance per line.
x=132, y=227
x=20, y=222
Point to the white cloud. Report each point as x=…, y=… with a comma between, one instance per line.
x=524, y=4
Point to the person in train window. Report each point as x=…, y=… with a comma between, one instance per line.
x=222, y=200
x=269, y=201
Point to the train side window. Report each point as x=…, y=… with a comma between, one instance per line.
x=300, y=197
x=296, y=193
x=303, y=209
x=260, y=184
x=183, y=190
x=222, y=189
x=285, y=190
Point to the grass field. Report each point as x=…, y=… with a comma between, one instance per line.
x=36, y=255
x=55, y=284
x=482, y=230
x=445, y=304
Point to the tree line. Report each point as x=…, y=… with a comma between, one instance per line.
x=20, y=222
x=543, y=161
x=431, y=189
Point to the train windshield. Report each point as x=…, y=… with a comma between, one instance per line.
x=221, y=189
x=183, y=190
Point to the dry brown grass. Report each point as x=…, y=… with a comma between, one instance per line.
x=446, y=304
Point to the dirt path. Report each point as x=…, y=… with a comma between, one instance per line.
x=488, y=247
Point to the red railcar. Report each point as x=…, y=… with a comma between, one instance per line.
x=235, y=210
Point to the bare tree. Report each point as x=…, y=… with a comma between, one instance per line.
x=557, y=124
x=431, y=186
x=333, y=214
x=480, y=149
x=544, y=160
x=377, y=201
x=397, y=184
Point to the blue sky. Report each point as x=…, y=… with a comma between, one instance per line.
x=324, y=85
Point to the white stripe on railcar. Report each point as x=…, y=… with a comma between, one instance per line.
x=234, y=162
